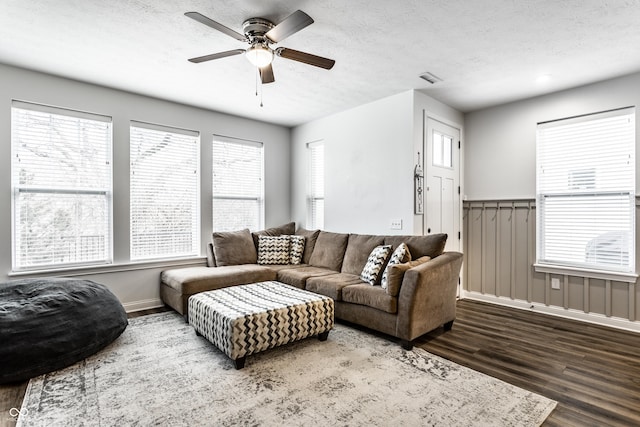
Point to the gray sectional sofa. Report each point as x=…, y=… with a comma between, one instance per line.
x=419, y=295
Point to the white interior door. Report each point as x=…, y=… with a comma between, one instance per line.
x=442, y=175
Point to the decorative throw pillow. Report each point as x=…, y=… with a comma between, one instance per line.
x=297, y=249
x=399, y=256
x=375, y=263
x=281, y=230
x=396, y=274
x=273, y=249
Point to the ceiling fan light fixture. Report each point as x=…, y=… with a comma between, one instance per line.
x=260, y=33
x=259, y=55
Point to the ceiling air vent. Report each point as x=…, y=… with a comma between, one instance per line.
x=431, y=78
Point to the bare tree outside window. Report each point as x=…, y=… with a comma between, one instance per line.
x=61, y=173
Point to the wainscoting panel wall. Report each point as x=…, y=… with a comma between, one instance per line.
x=500, y=250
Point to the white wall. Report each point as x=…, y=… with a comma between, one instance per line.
x=500, y=153
x=370, y=153
x=137, y=285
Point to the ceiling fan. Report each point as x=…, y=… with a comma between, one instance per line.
x=260, y=33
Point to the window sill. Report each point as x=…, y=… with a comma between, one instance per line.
x=588, y=273
x=111, y=268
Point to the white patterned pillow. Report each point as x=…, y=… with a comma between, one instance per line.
x=296, y=250
x=373, y=267
x=399, y=256
x=273, y=250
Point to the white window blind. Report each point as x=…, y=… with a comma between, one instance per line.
x=164, y=181
x=315, y=213
x=586, y=191
x=62, y=187
x=237, y=184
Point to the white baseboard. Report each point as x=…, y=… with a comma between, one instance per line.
x=598, y=319
x=146, y=304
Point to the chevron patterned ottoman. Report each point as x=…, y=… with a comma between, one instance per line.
x=243, y=320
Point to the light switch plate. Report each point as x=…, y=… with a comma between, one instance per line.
x=396, y=224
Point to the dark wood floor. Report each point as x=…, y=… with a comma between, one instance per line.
x=593, y=372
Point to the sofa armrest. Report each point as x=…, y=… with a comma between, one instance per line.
x=427, y=296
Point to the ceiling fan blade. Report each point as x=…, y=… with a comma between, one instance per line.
x=290, y=25
x=218, y=55
x=266, y=74
x=216, y=25
x=307, y=58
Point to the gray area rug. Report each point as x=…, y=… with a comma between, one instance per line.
x=158, y=372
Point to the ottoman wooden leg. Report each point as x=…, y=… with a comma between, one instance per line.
x=323, y=336
x=239, y=363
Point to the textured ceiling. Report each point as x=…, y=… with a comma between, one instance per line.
x=487, y=52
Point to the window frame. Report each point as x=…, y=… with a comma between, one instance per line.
x=258, y=199
x=313, y=199
x=16, y=188
x=178, y=133
x=581, y=188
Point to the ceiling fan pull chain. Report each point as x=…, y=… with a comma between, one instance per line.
x=257, y=78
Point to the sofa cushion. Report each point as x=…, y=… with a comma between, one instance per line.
x=191, y=280
x=298, y=276
x=431, y=245
x=358, y=249
x=372, y=296
x=274, y=250
x=396, y=274
x=297, y=249
x=372, y=271
x=332, y=285
x=284, y=229
x=329, y=250
x=310, y=237
x=234, y=248
x=399, y=256
x=276, y=267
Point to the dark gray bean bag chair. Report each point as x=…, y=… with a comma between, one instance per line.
x=50, y=323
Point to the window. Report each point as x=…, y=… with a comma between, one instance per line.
x=586, y=191
x=442, y=150
x=164, y=180
x=237, y=184
x=315, y=213
x=61, y=184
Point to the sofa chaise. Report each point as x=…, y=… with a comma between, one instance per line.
x=412, y=289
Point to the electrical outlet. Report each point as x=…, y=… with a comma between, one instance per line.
x=396, y=224
x=555, y=283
